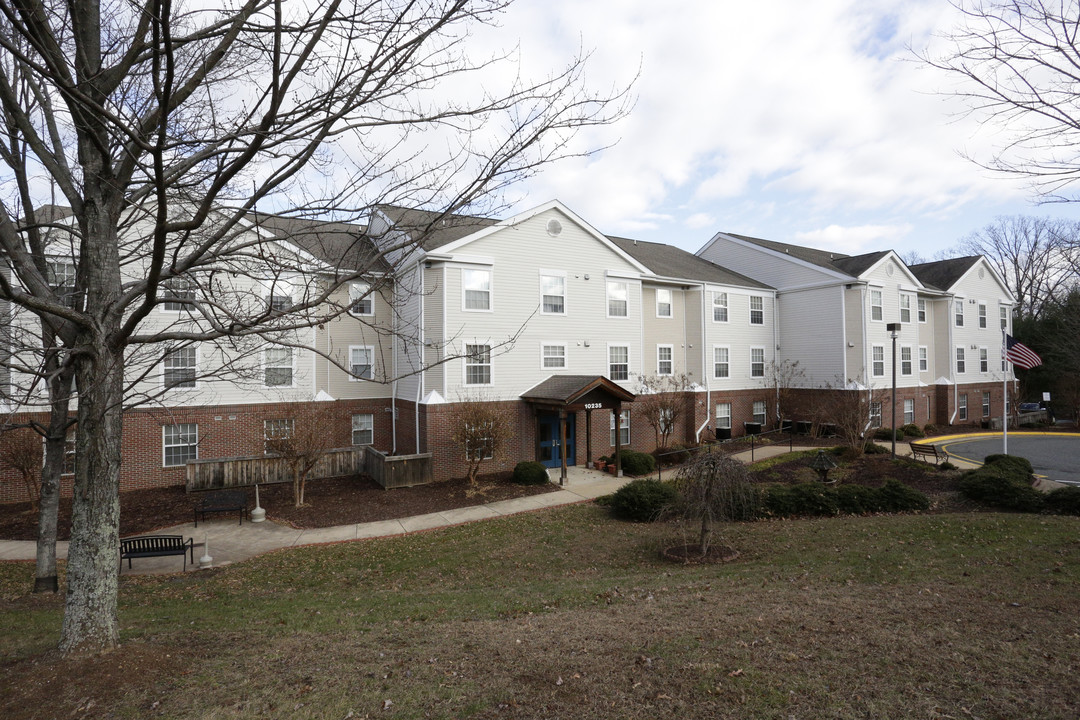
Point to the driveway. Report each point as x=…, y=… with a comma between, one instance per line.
x=1053, y=455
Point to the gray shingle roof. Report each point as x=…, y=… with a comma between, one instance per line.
x=434, y=230
x=342, y=245
x=568, y=388
x=669, y=261
x=853, y=265
x=943, y=274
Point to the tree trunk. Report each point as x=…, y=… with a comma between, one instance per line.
x=45, y=578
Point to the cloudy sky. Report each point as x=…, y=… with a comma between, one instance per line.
x=804, y=122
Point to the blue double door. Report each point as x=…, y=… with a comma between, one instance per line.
x=551, y=447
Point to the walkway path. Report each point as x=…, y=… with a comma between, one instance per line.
x=231, y=542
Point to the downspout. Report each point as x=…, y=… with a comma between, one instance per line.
x=951, y=322
x=705, y=377
x=775, y=345
x=843, y=330
x=865, y=338
x=420, y=350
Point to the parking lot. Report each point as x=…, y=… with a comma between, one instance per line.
x=1053, y=455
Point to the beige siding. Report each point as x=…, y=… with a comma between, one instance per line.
x=434, y=335
x=372, y=331
x=739, y=336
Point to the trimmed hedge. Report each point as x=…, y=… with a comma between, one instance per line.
x=912, y=430
x=637, y=463
x=1064, y=501
x=642, y=500
x=888, y=434
x=813, y=498
x=1003, y=482
x=530, y=472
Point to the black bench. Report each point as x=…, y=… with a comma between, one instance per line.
x=156, y=546
x=221, y=501
x=927, y=450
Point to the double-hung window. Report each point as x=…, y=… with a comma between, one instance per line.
x=905, y=360
x=275, y=432
x=177, y=294
x=361, y=362
x=665, y=360
x=757, y=310
x=619, y=362
x=60, y=275
x=624, y=428
x=961, y=407
x=663, y=302
x=958, y=313
x=179, y=368
x=922, y=309
x=759, y=412
x=553, y=294
x=757, y=362
x=719, y=307
x=875, y=414
x=477, y=364
x=360, y=301
x=961, y=364
x=363, y=429
x=617, y=293
x=1003, y=314
x=721, y=362
x=924, y=359
x=905, y=308
x=180, y=443
x=553, y=356
x=982, y=315
x=278, y=367
x=476, y=286
x=877, y=361
x=984, y=360
x=723, y=415
x=909, y=411
x=876, y=308
x=986, y=404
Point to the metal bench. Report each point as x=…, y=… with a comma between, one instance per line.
x=221, y=501
x=926, y=450
x=156, y=546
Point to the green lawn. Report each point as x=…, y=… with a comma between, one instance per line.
x=567, y=613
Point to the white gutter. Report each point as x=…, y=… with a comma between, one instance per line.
x=950, y=320
x=420, y=350
x=705, y=377
x=843, y=331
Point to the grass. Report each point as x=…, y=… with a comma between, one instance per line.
x=567, y=613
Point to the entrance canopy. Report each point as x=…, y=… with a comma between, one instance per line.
x=577, y=392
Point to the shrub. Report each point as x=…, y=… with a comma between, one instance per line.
x=1003, y=484
x=875, y=449
x=946, y=466
x=912, y=430
x=1014, y=463
x=808, y=498
x=855, y=499
x=895, y=496
x=530, y=472
x=930, y=429
x=888, y=434
x=1064, y=501
x=642, y=500
x=676, y=454
x=637, y=463
x=818, y=499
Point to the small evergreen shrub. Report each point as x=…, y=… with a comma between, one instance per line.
x=637, y=463
x=530, y=472
x=817, y=499
x=895, y=496
x=1064, y=501
x=888, y=434
x=1003, y=483
x=946, y=466
x=1014, y=463
x=855, y=499
x=929, y=429
x=676, y=454
x=809, y=498
x=912, y=430
x=642, y=500
x=875, y=449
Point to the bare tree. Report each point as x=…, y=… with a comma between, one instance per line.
x=1017, y=62
x=714, y=487
x=480, y=428
x=785, y=378
x=163, y=128
x=301, y=441
x=662, y=402
x=847, y=406
x=21, y=452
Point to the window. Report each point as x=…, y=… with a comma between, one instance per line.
x=360, y=301
x=363, y=429
x=663, y=302
x=1003, y=313
x=279, y=296
x=922, y=309
x=721, y=362
x=759, y=412
x=476, y=285
x=984, y=360
x=958, y=311
x=982, y=315
x=361, y=363
x=757, y=362
x=875, y=414
x=180, y=443
x=278, y=367
x=905, y=308
x=174, y=292
x=986, y=404
x=616, y=298
x=719, y=307
x=478, y=444
x=666, y=421
x=905, y=360
x=876, y=311
x=924, y=359
x=619, y=362
x=553, y=357
x=277, y=429
x=624, y=428
x=60, y=275
x=909, y=411
x=961, y=366
x=877, y=365
x=477, y=364
x=961, y=407
x=179, y=368
x=553, y=294
x=757, y=310
x=664, y=362
x=723, y=415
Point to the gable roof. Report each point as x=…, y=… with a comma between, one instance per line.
x=821, y=258
x=569, y=389
x=943, y=274
x=433, y=230
x=856, y=265
x=672, y=262
x=340, y=245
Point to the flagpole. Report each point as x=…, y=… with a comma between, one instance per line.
x=1005, y=398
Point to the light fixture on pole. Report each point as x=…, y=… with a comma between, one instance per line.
x=894, y=332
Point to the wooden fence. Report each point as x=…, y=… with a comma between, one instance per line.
x=388, y=471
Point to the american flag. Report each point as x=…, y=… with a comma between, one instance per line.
x=1020, y=354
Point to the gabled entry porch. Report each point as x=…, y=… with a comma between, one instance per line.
x=556, y=402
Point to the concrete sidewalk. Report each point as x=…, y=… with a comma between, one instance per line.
x=230, y=542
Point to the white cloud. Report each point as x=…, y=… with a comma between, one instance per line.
x=854, y=240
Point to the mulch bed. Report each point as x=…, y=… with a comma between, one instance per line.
x=330, y=502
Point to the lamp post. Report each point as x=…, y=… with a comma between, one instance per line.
x=894, y=332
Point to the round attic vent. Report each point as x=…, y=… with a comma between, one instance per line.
x=554, y=227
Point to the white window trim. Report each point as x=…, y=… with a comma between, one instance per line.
x=623, y=427
x=263, y=366
x=565, y=355
x=880, y=304
x=665, y=346
x=726, y=306
x=713, y=374
x=750, y=311
x=558, y=274
x=764, y=412
x=165, y=290
x=670, y=304
x=352, y=431
x=490, y=291
x=371, y=349
x=924, y=354
x=728, y=416
x=362, y=289
x=872, y=373
x=764, y=361
x=629, y=361
x=196, y=443
x=986, y=404
x=983, y=314
x=984, y=359
x=905, y=416
x=921, y=314
x=962, y=406
x=959, y=302
x=910, y=361
x=959, y=355
x=490, y=365
x=607, y=299
x=174, y=388
x=912, y=308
